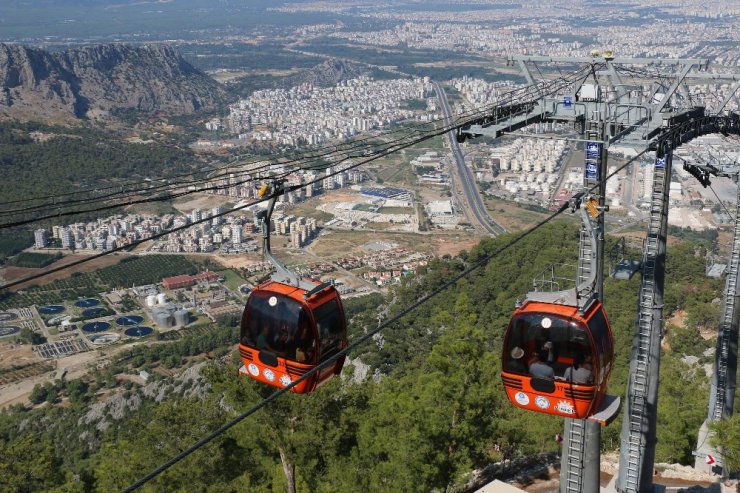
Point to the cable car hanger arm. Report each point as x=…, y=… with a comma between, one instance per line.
x=282, y=273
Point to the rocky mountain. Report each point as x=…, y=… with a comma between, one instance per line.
x=326, y=74
x=96, y=81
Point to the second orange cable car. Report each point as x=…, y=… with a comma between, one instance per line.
x=290, y=325
x=558, y=352
x=557, y=360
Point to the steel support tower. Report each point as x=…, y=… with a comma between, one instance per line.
x=639, y=426
x=581, y=455
x=642, y=114
x=724, y=376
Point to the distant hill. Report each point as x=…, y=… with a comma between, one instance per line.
x=99, y=80
x=326, y=74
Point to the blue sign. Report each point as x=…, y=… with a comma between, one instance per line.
x=593, y=149
x=660, y=162
x=592, y=171
x=567, y=101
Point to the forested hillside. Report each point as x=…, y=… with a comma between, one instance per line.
x=64, y=160
x=434, y=411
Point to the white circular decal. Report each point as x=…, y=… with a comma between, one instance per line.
x=542, y=402
x=546, y=323
x=269, y=374
x=253, y=369
x=272, y=301
x=285, y=380
x=522, y=398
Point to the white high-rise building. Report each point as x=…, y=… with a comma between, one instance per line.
x=215, y=214
x=196, y=215
x=67, y=238
x=236, y=234
x=40, y=238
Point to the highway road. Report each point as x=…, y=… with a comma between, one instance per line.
x=471, y=201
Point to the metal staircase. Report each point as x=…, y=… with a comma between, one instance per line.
x=575, y=432
x=724, y=377
x=585, y=255
x=638, y=411
x=575, y=429
x=593, y=135
x=727, y=327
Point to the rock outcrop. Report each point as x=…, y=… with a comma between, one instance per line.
x=325, y=74
x=100, y=80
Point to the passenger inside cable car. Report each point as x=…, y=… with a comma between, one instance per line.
x=564, y=341
x=540, y=368
x=580, y=371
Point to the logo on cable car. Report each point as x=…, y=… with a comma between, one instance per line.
x=546, y=323
x=285, y=380
x=253, y=369
x=542, y=402
x=272, y=301
x=522, y=398
x=565, y=407
x=269, y=374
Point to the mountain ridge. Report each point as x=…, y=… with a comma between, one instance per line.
x=98, y=80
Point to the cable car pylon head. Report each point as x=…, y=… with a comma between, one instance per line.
x=583, y=293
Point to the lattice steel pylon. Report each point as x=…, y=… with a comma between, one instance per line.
x=641, y=117
x=724, y=382
x=580, y=458
x=639, y=428
x=724, y=377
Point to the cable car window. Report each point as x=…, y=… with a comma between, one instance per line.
x=330, y=326
x=278, y=324
x=555, y=338
x=600, y=333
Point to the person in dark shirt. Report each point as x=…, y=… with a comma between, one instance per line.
x=262, y=339
x=539, y=368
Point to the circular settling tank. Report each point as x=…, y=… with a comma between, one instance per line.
x=138, y=331
x=9, y=331
x=51, y=309
x=7, y=316
x=91, y=312
x=87, y=303
x=94, y=327
x=130, y=320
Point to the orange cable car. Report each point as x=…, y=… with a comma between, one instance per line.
x=556, y=360
x=558, y=352
x=290, y=325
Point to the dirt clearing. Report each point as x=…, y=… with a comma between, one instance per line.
x=12, y=273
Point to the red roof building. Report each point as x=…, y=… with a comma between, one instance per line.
x=177, y=282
